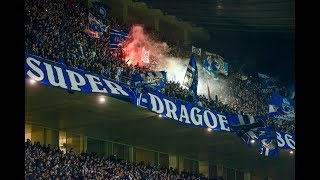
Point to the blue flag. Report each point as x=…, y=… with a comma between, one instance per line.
x=191, y=77
x=152, y=80
x=207, y=69
x=268, y=143
x=245, y=123
x=255, y=128
x=245, y=126
x=101, y=8
x=95, y=25
x=281, y=108
x=214, y=65
x=206, y=64
x=117, y=37
x=268, y=84
x=214, y=68
x=225, y=68
x=247, y=137
x=219, y=66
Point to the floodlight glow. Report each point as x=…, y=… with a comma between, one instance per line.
x=32, y=81
x=252, y=141
x=160, y=115
x=102, y=99
x=209, y=129
x=291, y=152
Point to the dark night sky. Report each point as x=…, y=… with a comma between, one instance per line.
x=268, y=53
x=259, y=32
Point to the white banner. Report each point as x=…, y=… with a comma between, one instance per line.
x=145, y=55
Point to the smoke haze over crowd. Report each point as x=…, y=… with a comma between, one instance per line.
x=139, y=43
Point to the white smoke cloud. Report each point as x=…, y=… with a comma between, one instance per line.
x=174, y=66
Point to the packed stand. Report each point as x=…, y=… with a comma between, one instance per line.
x=285, y=126
x=233, y=96
x=45, y=162
x=54, y=30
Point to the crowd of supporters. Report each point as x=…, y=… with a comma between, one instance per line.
x=45, y=162
x=54, y=30
x=233, y=95
x=285, y=126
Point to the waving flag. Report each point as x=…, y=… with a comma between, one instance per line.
x=95, y=25
x=101, y=8
x=117, y=37
x=268, y=143
x=91, y=33
x=225, y=68
x=247, y=137
x=196, y=50
x=207, y=69
x=215, y=66
x=255, y=128
x=219, y=66
x=268, y=84
x=206, y=64
x=244, y=126
x=152, y=80
x=281, y=108
x=209, y=54
x=191, y=77
x=245, y=123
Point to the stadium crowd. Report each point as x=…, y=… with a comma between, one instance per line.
x=54, y=30
x=46, y=162
x=236, y=96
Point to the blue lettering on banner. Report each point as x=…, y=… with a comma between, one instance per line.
x=72, y=79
